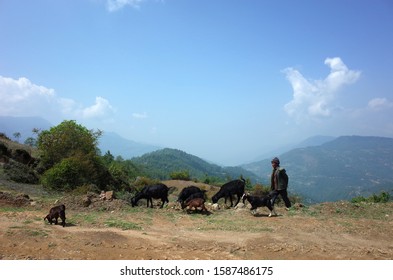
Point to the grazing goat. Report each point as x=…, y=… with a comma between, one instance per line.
x=257, y=201
x=55, y=213
x=229, y=189
x=190, y=191
x=157, y=191
x=195, y=203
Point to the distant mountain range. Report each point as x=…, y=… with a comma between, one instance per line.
x=309, y=142
x=22, y=125
x=125, y=148
x=343, y=168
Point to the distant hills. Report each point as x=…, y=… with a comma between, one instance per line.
x=125, y=148
x=166, y=161
x=311, y=141
x=22, y=125
x=343, y=168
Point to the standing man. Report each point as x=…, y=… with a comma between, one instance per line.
x=279, y=183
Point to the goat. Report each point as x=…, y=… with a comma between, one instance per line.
x=257, y=201
x=157, y=191
x=195, y=203
x=55, y=213
x=229, y=189
x=190, y=191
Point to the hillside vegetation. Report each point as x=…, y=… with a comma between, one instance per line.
x=163, y=162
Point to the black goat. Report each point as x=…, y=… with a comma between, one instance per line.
x=187, y=192
x=257, y=201
x=157, y=191
x=229, y=189
x=55, y=213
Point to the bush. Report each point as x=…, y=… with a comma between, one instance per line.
x=20, y=173
x=260, y=190
x=140, y=182
x=85, y=189
x=383, y=197
x=66, y=175
x=180, y=175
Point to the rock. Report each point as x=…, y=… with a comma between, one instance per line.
x=86, y=201
x=109, y=195
x=215, y=207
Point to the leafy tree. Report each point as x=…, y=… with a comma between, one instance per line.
x=108, y=158
x=66, y=140
x=30, y=141
x=36, y=131
x=70, y=158
x=17, y=135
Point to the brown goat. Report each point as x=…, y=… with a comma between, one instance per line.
x=55, y=213
x=195, y=203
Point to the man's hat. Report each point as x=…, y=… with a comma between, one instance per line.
x=276, y=160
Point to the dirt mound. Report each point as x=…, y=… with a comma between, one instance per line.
x=18, y=200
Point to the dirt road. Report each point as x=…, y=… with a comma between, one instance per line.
x=329, y=231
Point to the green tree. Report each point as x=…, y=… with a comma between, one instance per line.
x=66, y=140
x=70, y=157
x=30, y=141
x=108, y=158
x=17, y=135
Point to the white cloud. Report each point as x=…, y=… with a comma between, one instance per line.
x=114, y=5
x=379, y=104
x=21, y=98
x=139, y=115
x=314, y=99
x=101, y=109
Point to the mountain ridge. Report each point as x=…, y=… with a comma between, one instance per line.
x=167, y=160
x=343, y=168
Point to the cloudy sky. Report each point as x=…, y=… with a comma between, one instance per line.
x=225, y=80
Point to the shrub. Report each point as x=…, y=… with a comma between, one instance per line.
x=85, y=189
x=66, y=175
x=383, y=197
x=140, y=182
x=180, y=175
x=20, y=173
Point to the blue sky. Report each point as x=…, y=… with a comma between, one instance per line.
x=225, y=80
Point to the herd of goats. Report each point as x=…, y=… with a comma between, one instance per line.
x=191, y=197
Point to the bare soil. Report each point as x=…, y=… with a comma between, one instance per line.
x=112, y=230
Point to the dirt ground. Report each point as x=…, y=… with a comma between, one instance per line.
x=334, y=231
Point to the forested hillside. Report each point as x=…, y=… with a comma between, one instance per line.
x=163, y=162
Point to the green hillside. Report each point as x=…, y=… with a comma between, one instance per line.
x=163, y=162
